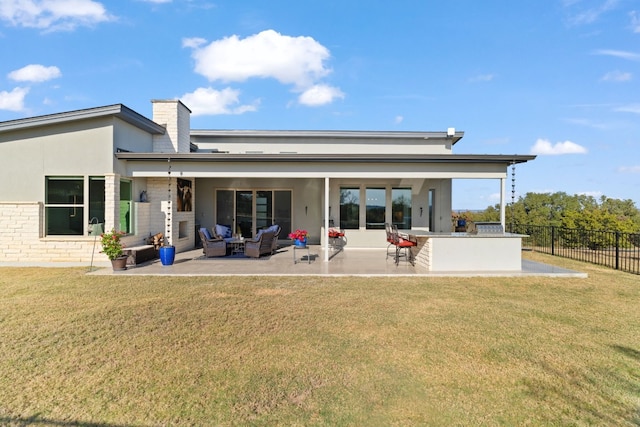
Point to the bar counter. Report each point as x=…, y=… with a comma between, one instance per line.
x=466, y=251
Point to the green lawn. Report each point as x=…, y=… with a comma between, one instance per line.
x=146, y=351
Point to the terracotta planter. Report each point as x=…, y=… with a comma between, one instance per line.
x=119, y=263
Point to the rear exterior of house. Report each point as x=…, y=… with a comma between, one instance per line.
x=110, y=165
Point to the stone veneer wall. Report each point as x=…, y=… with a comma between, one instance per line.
x=175, y=116
x=21, y=238
x=157, y=191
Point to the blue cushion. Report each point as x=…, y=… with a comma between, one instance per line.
x=223, y=231
x=274, y=228
x=260, y=234
x=206, y=233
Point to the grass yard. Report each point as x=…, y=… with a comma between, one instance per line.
x=146, y=351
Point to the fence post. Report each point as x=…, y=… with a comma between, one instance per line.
x=553, y=240
x=617, y=250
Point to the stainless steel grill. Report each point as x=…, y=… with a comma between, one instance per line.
x=489, y=228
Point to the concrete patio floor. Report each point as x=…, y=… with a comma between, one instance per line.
x=348, y=262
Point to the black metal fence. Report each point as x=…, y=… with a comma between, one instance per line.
x=608, y=248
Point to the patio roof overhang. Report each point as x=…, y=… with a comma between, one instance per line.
x=321, y=165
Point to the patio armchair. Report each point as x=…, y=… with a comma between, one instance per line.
x=276, y=232
x=212, y=247
x=262, y=244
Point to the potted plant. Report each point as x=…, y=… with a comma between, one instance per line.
x=299, y=237
x=112, y=247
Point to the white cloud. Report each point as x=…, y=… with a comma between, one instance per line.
x=193, y=42
x=635, y=21
x=631, y=108
x=14, y=100
x=617, y=76
x=629, y=169
x=53, y=15
x=590, y=15
x=208, y=101
x=269, y=54
x=398, y=120
x=590, y=123
x=631, y=56
x=544, y=147
x=482, y=78
x=35, y=73
x=319, y=95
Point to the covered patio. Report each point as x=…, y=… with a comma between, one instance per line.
x=348, y=262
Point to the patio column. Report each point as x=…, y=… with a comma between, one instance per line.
x=326, y=220
x=502, y=204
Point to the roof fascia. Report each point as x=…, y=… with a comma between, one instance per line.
x=327, y=158
x=117, y=110
x=333, y=134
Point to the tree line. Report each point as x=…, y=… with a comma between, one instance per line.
x=563, y=210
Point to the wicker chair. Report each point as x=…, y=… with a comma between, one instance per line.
x=261, y=245
x=212, y=247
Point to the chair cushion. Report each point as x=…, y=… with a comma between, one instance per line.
x=274, y=228
x=223, y=231
x=406, y=243
x=206, y=233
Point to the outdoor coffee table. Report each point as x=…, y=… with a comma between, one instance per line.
x=237, y=246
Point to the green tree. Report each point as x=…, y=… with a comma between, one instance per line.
x=571, y=211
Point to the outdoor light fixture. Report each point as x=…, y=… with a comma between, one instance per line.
x=420, y=210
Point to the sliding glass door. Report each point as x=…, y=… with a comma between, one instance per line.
x=247, y=211
x=244, y=213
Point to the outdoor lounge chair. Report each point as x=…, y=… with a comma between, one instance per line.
x=261, y=245
x=212, y=247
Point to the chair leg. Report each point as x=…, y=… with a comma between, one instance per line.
x=388, y=246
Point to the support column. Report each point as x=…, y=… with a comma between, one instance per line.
x=112, y=202
x=326, y=220
x=502, y=204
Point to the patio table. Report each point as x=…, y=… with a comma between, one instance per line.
x=237, y=246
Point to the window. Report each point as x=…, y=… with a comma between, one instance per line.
x=96, y=199
x=126, y=206
x=401, y=207
x=350, y=208
x=66, y=213
x=64, y=206
x=431, y=210
x=376, y=202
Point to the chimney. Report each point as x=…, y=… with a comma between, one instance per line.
x=176, y=118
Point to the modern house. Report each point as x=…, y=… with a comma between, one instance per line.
x=63, y=172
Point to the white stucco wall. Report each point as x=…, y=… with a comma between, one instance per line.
x=308, y=143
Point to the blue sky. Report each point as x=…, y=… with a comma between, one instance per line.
x=556, y=78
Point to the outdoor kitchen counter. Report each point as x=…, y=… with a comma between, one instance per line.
x=466, y=252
